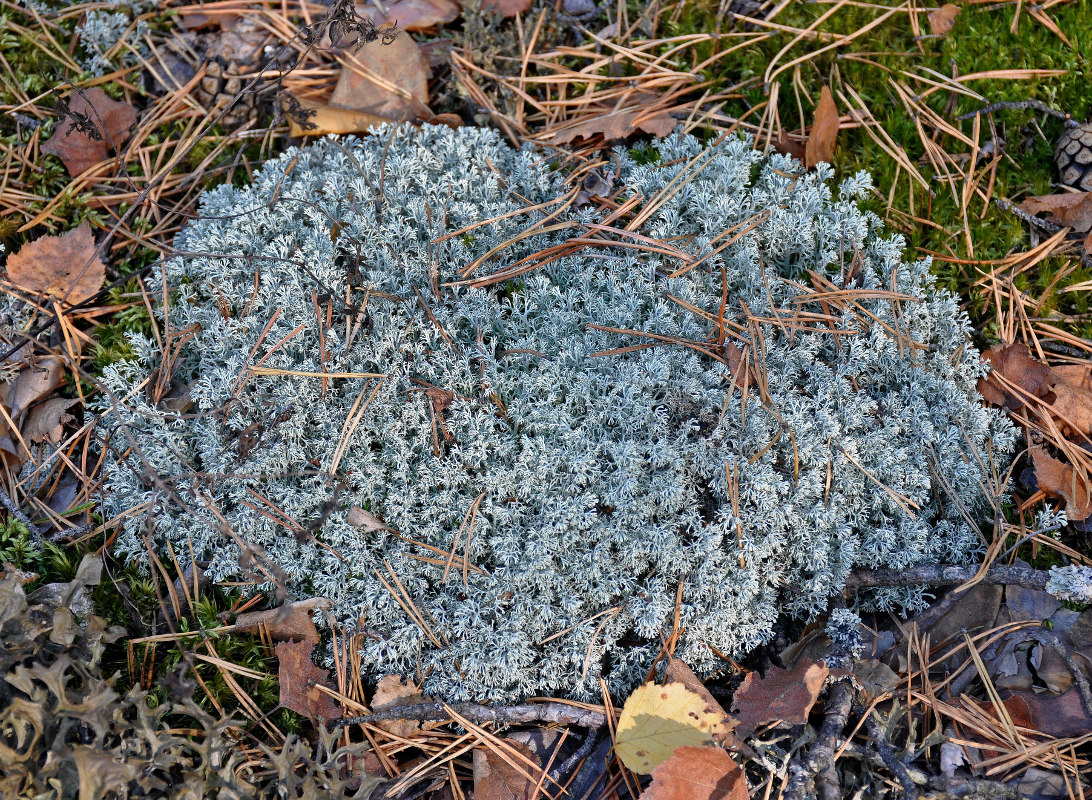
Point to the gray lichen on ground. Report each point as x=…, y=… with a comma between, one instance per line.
x=584, y=489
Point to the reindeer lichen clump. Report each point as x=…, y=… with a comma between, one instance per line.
x=512, y=485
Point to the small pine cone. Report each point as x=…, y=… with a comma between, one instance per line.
x=219, y=87
x=1073, y=157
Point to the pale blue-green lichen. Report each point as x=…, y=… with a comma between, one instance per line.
x=585, y=488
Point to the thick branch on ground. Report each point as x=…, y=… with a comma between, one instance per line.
x=818, y=765
x=549, y=713
x=910, y=791
x=947, y=575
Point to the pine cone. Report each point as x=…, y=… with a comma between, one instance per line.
x=219, y=87
x=1073, y=157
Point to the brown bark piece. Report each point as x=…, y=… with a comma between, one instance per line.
x=290, y=622
x=942, y=20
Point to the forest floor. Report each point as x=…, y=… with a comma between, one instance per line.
x=135, y=678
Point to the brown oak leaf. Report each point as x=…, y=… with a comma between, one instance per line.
x=65, y=267
x=497, y=779
x=79, y=150
x=300, y=679
x=617, y=125
x=1012, y=364
x=390, y=693
x=824, y=131
x=1071, y=209
x=697, y=773
x=1058, y=479
x=387, y=80
x=785, y=695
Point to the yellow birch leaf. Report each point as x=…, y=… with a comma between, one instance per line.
x=656, y=720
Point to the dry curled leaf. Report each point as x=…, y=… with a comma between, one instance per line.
x=1072, y=406
x=942, y=20
x=309, y=118
x=1075, y=211
x=1071, y=209
x=392, y=692
x=697, y=773
x=300, y=679
x=291, y=621
x=388, y=80
x=34, y=382
x=66, y=267
x=784, y=695
x=617, y=125
x=365, y=520
x=656, y=720
x=824, y=131
x=1012, y=364
x=1058, y=479
x=46, y=421
x=411, y=15
x=497, y=779
x=506, y=8
x=80, y=151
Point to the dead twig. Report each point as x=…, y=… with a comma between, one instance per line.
x=818, y=765
x=549, y=713
x=947, y=575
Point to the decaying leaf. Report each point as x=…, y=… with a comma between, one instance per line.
x=506, y=8
x=289, y=622
x=656, y=720
x=1071, y=209
x=46, y=421
x=617, y=125
x=497, y=779
x=65, y=267
x=299, y=679
x=365, y=520
x=392, y=692
x=875, y=678
x=34, y=382
x=1055, y=715
x=785, y=695
x=790, y=147
x=824, y=131
x=1012, y=364
x=412, y=15
x=388, y=80
x=79, y=150
x=1061, y=480
x=1072, y=407
x=697, y=773
x=1079, y=376
x=942, y=20
x=308, y=118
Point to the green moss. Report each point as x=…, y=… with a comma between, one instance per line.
x=980, y=41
